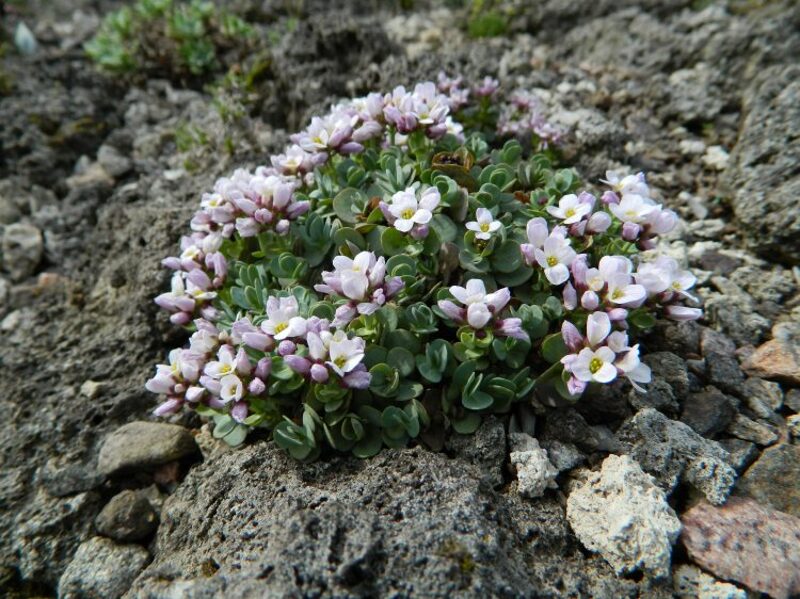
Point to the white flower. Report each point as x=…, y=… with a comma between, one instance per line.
x=478, y=315
x=537, y=232
x=353, y=273
x=570, y=209
x=282, y=319
x=485, y=225
x=664, y=275
x=555, y=256
x=629, y=184
x=408, y=212
x=634, y=370
x=622, y=291
x=231, y=388
x=594, y=365
x=598, y=326
x=473, y=293
x=224, y=365
x=345, y=354
x=634, y=208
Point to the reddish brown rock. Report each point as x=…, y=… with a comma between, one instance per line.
x=778, y=358
x=747, y=543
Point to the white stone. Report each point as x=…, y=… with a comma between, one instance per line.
x=535, y=473
x=622, y=514
x=716, y=157
x=692, y=583
x=692, y=147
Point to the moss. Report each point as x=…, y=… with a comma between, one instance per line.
x=456, y=551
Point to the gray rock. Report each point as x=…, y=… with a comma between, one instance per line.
x=140, y=445
x=564, y=456
x=48, y=531
x=114, y=163
x=766, y=198
x=63, y=479
x=672, y=369
x=792, y=400
x=101, y=569
x=692, y=583
x=671, y=451
x=535, y=473
x=22, y=250
x=128, y=517
x=568, y=426
x=750, y=430
x=762, y=397
x=405, y=523
x=773, y=479
x=660, y=396
x=741, y=453
x=708, y=412
x=485, y=448
x=722, y=366
x=622, y=514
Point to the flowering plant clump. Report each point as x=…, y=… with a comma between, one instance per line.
x=410, y=263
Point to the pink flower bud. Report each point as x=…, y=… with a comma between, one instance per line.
x=609, y=197
x=570, y=297
x=170, y=406
x=298, y=363
x=263, y=368
x=617, y=314
x=256, y=387
x=630, y=231
x=590, y=301
x=239, y=411
x=319, y=373
x=599, y=222
x=180, y=318
x=286, y=347
x=572, y=336
x=243, y=365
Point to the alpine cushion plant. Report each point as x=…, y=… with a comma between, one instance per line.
x=411, y=262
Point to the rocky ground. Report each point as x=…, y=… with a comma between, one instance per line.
x=624, y=495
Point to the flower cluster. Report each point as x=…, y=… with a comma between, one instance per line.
x=524, y=115
x=391, y=271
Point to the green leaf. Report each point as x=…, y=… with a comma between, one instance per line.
x=370, y=445
x=507, y=258
x=402, y=360
x=468, y=424
x=223, y=425
x=236, y=436
x=554, y=348
x=477, y=400
x=393, y=241
x=642, y=319
x=348, y=204
x=444, y=227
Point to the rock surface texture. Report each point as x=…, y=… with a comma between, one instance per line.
x=97, y=185
x=747, y=543
x=621, y=513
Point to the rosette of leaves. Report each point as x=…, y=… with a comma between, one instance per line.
x=183, y=40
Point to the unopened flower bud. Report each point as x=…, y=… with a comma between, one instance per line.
x=286, y=347
x=630, y=231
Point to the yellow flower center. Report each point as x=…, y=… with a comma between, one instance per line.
x=407, y=213
x=340, y=361
x=225, y=369
x=617, y=293
x=280, y=327
x=552, y=261
x=484, y=227
x=570, y=212
x=595, y=365
x=676, y=285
